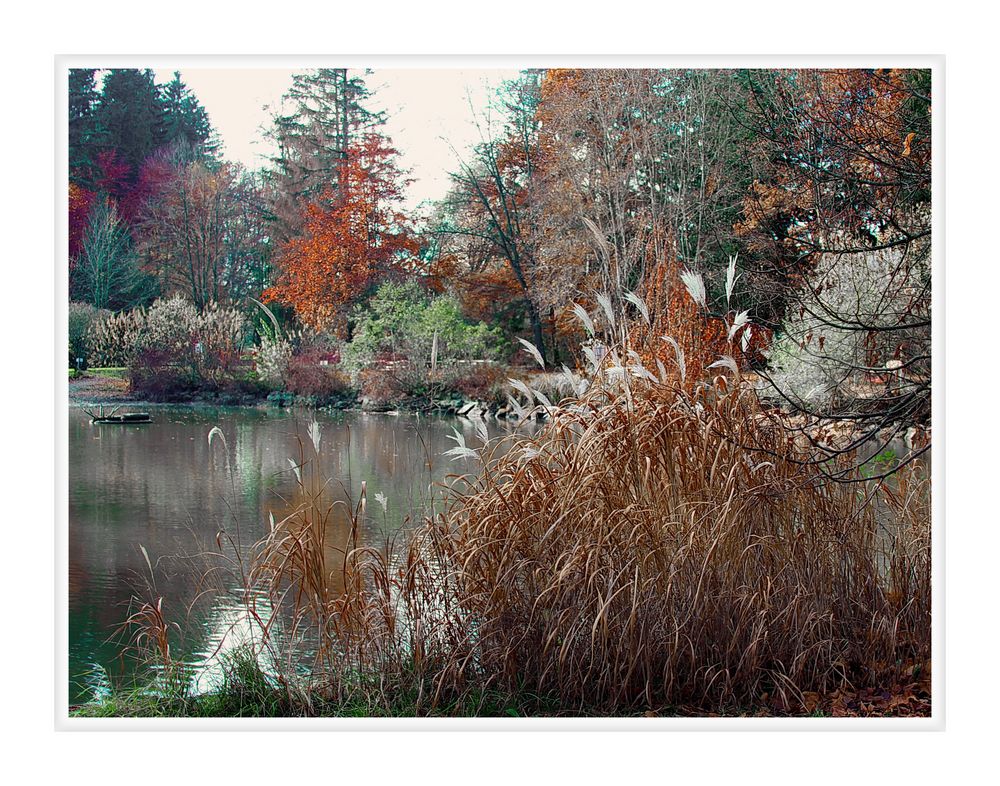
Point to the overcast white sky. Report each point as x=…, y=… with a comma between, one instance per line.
x=428, y=112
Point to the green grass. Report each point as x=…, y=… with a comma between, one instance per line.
x=245, y=691
x=111, y=372
x=233, y=701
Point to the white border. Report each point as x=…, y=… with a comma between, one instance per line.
x=935, y=722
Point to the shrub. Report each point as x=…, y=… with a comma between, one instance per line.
x=402, y=320
x=303, y=365
x=161, y=382
x=390, y=383
x=82, y=317
x=304, y=376
x=221, y=335
x=381, y=387
x=180, y=348
x=320, y=346
x=169, y=334
x=171, y=346
x=478, y=381
x=115, y=340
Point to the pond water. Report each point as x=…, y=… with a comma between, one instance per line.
x=163, y=488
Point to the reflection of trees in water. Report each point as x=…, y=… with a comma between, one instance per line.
x=159, y=485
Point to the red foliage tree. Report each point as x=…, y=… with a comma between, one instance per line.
x=353, y=237
x=155, y=175
x=113, y=177
x=80, y=202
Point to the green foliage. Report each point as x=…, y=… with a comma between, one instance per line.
x=129, y=115
x=879, y=464
x=112, y=372
x=184, y=118
x=323, y=111
x=402, y=320
x=83, y=98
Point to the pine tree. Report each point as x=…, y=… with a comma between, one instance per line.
x=185, y=119
x=131, y=117
x=350, y=240
x=83, y=97
x=325, y=113
x=107, y=273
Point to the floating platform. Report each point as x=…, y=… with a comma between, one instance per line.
x=129, y=417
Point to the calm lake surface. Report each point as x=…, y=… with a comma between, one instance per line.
x=163, y=487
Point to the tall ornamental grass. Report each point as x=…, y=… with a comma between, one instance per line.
x=651, y=547
x=654, y=546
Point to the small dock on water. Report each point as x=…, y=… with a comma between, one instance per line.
x=100, y=416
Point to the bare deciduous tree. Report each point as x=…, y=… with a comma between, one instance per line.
x=107, y=273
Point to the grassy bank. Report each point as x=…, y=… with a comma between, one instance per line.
x=119, y=372
x=247, y=692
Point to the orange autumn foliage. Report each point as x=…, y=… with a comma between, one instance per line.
x=673, y=313
x=702, y=337
x=855, y=154
x=353, y=237
x=486, y=293
x=80, y=202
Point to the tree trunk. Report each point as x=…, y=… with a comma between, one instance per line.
x=536, y=327
x=344, y=120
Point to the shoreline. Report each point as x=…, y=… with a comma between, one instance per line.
x=93, y=390
x=97, y=389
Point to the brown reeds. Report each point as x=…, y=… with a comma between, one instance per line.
x=636, y=552
x=652, y=546
x=359, y=613
x=146, y=633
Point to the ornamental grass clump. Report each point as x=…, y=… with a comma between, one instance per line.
x=335, y=617
x=651, y=547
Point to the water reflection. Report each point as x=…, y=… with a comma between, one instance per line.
x=163, y=486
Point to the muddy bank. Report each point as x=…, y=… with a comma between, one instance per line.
x=96, y=389
x=90, y=389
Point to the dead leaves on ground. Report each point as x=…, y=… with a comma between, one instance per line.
x=908, y=698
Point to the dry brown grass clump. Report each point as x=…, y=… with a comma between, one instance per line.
x=636, y=552
x=339, y=620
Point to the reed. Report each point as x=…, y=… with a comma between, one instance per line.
x=145, y=636
x=654, y=547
